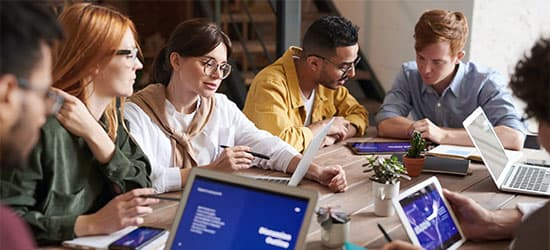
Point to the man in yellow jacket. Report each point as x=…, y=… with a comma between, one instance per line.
x=295, y=96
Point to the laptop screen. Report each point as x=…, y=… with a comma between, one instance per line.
x=221, y=215
x=488, y=144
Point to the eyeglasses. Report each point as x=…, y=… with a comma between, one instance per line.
x=131, y=54
x=53, y=100
x=344, y=67
x=210, y=66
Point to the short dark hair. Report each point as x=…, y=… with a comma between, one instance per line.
x=191, y=38
x=24, y=26
x=531, y=81
x=329, y=32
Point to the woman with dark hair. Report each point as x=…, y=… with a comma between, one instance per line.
x=180, y=122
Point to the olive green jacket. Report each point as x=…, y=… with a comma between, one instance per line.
x=63, y=180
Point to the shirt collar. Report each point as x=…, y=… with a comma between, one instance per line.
x=289, y=65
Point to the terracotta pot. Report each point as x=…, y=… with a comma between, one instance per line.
x=383, y=194
x=414, y=165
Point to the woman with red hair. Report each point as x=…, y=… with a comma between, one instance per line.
x=86, y=175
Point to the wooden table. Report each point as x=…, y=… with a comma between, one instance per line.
x=359, y=201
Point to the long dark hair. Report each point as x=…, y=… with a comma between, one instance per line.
x=191, y=38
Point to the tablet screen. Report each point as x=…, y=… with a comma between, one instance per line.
x=430, y=218
x=380, y=147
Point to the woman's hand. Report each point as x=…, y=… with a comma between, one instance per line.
x=75, y=116
x=232, y=159
x=124, y=210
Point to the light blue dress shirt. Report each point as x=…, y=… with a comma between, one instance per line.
x=472, y=86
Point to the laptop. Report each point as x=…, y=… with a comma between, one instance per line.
x=305, y=162
x=224, y=212
x=509, y=174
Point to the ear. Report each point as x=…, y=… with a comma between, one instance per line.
x=460, y=55
x=314, y=63
x=9, y=100
x=174, y=60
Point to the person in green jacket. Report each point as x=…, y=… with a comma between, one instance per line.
x=86, y=175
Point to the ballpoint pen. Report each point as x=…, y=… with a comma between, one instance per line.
x=156, y=196
x=384, y=232
x=252, y=153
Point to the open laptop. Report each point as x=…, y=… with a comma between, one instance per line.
x=304, y=163
x=224, y=212
x=508, y=174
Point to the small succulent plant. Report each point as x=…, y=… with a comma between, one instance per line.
x=326, y=216
x=386, y=170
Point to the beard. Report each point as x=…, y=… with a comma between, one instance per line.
x=14, y=146
x=10, y=157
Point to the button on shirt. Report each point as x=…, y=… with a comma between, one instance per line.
x=471, y=87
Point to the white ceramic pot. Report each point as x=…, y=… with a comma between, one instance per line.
x=383, y=193
x=335, y=236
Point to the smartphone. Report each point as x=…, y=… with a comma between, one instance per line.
x=378, y=147
x=137, y=239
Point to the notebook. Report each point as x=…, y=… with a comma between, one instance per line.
x=509, y=175
x=304, y=163
x=224, y=212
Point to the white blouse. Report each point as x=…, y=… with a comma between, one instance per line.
x=227, y=126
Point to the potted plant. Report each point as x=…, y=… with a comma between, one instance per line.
x=335, y=226
x=414, y=158
x=385, y=182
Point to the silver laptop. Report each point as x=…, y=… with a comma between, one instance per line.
x=225, y=212
x=304, y=163
x=508, y=174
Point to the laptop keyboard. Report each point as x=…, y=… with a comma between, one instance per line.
x=273, y=180
x=528, y=178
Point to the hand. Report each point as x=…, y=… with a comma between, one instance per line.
x=233, y=158
x=339, y=128
x=124, y=210
x=334, y=177
x=329, y=140
x=474, y=219
x=400, y=245
x=429, y=130
x=75, y=116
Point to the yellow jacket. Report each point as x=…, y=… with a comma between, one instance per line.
x=274, y=103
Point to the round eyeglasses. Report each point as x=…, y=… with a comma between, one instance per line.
x=53, y=100
x=210, y=66
x=344, y=67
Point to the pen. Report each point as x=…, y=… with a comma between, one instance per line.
x=252, y=153
x=156, y=196
x=384, y=232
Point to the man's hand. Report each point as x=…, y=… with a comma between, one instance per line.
x=478, y=223
x=232, y=159
x=428, y=130
x=339, y=128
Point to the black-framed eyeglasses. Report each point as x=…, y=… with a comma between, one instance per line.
x=344, y=67
x=131, y=54
x=210, y=66
x=53, y=100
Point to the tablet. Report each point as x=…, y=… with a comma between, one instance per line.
x=379, y=147
x=427, y=217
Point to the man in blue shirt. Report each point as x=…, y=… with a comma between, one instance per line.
x=439, y=91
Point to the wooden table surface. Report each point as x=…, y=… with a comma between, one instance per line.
x=359, y=201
